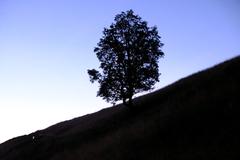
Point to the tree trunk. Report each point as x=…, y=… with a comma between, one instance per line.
x=124, y=102
x=130, y=103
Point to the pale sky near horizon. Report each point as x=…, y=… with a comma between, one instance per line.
x=46, y=46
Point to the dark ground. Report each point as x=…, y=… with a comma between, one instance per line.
x=195, y=118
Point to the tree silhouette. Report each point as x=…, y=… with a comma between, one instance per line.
x=128, y=53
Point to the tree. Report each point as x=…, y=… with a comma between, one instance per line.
x=128, y=53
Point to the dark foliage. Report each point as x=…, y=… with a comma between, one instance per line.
x=128, y=53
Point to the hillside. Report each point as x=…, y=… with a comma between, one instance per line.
x=195, y=118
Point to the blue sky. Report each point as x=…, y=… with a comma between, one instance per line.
x=46, y=46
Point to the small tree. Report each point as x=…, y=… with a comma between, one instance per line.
x=128, y=53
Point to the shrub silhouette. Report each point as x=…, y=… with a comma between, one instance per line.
x=128, y=53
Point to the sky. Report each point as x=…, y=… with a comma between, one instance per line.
x=46, y=46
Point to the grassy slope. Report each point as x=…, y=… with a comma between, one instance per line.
x=195, y=118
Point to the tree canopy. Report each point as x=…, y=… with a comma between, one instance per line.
x=128, y=53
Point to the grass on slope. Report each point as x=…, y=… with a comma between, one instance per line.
x=195, y=118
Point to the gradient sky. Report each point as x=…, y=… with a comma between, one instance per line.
x=46, y=46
